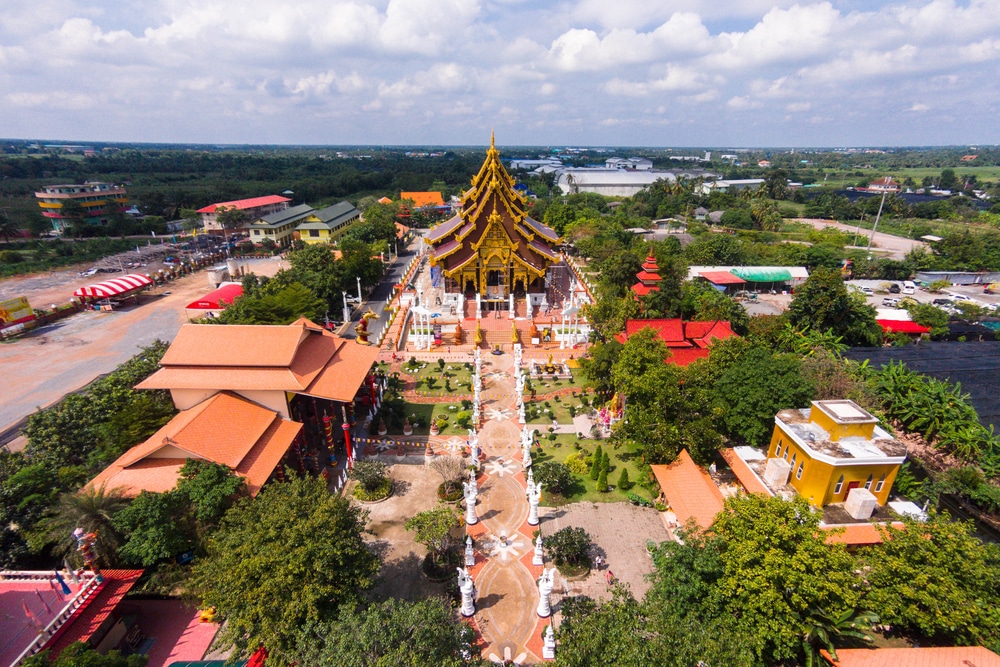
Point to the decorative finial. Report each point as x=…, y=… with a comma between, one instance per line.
x=492, y=142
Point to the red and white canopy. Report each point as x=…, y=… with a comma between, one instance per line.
x=114, y=287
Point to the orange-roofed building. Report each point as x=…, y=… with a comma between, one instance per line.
x=648, y=277
x=248, y=394
x=689, y=491
x=929, y=656
x=226, y=429
x=423, y=199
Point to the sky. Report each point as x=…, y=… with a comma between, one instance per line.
x=722, y=73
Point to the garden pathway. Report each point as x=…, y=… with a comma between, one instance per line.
x=506, y=588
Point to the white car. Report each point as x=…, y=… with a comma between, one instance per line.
x=867, y=291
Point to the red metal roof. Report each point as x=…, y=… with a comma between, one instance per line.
x=115, y=286
x=88, y=618
x=923, y=656
x=242, y=204
x=721, y=278
x=218, y=299
x=902, y=326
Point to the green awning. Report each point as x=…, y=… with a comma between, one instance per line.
x=754, y=275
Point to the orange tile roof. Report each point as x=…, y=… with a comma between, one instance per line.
x=931, y=656
x=689, y=490
x=748, y=479
x=420, y=199
x=299, y=358
x=856, y=534
x=243, y=204
x=226, y=429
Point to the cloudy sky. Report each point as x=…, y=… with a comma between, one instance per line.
x=724, y=73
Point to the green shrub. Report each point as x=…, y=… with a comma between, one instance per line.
x=554, y=476
x=577, y=464
x=624, y=483
x=602, y=481
x=569, y=546
x=598, y=459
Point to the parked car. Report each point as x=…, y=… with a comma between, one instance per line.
x=889, y=302
x=909, y=287
x=867, y=291
x=894, y=288
x=944, y=301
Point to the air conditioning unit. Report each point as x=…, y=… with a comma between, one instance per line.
x=860, y=504
x=776, y=472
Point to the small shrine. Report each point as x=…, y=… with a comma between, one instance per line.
x=648, y=277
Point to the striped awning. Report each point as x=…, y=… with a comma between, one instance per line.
x=114, y=287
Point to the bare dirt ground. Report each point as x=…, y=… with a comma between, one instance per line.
x=895, y=246
x=401, y=576
x=41, y=367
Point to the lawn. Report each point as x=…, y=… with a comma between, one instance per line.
x=433, y=380
x=420, y=413
x=585, y=488
x=544, y=411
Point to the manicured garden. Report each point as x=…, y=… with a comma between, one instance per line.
x=563, y=449
x=437, y=378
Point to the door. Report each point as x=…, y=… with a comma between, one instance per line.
x=851, y=485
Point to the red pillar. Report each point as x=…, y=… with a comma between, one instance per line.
x=347, y=444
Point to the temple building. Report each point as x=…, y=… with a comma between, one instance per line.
x=492, y=247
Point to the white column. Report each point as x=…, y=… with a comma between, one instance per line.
x=511, y=305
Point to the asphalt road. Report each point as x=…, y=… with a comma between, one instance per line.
x=379, y=297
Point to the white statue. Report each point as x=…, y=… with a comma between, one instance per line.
x=522, y=417
x=470, y=492
x=539, y=557
x=545, y=584
x=470, y=554
x=534, y=495
x=549, y=644
x=531, y=479
x=473, y=482
x=468, y=590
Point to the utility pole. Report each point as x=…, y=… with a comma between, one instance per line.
x=875, y=226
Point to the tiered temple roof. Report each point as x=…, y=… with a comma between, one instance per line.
x=492, y=199
x=648, y=277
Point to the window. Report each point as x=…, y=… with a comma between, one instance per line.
x=879, y=483
x=256, y=232
x=313, y=232
x=788, y=451
x=868, y=483
x=777, y=452
x=839, y=486
x=798, y=473
x=794, y=456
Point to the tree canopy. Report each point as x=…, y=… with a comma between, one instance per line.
x=823, y=303
x=289, y=557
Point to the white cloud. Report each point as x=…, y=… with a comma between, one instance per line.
x=586, y=71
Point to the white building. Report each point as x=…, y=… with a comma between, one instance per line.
x=639, y=163
x=709, y=187
x=609, y=182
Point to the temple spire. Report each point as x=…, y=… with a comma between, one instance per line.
x=492, y=141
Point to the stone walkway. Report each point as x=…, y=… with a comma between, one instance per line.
x=506, y=588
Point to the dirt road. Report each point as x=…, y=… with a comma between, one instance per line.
x=54, y=360
x=895, y=246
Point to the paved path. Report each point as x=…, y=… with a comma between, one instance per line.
x=506, y=588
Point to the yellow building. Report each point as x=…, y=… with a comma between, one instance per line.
x=279, y=226
x=328, y=224
x=831, y=448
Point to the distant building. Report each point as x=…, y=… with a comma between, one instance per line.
x=884, y=184
x=732, y=185
x=609, y=182
x=93, y=201
x=327, y=224
x=280, y=225
x=525, y=164
x=256, y=207
x=637, y=163
x=764, y=163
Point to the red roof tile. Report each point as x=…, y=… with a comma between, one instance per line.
x=89, y=618
x=721, y=278
x=421, y=199
x=902, y=326
x=856, y=534
x=242, y=204
x=689, y=490
x=931, y=656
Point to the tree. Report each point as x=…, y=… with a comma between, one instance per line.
x=230, y=217
x=556, y=477
x=290, y=556
x=452, y=471
x=936, y=581
x=92, y=508
x=823, y=303
x=569, y=546
x=211, y=489
x=7, y=226
x=390, y=633
x=595, y=466
x=597, y=365
x=612, y=632
x=624, y=483
x=283, y=306
x=433, y=529
x=158, y=526
x=79, y=654
x=754, y=388
x=602, y=481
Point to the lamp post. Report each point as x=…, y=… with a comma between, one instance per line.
x=347, y=311
x=359, y=291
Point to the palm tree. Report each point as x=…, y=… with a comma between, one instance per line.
x=92, y=509
x=7, y=226
x=821, y=630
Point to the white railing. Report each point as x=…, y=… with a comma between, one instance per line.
x=87, y=590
